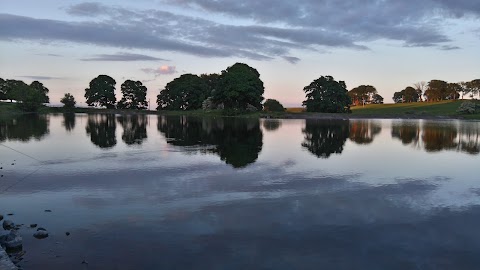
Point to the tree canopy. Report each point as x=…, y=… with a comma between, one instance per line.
x=327, y=95
x=409, y=94
x=272, y=105
x=68, y=101
x=186, y=92
x=365, y=94
x=134, y=96
x=101, y=92
x=239, y=86
x=42, y=90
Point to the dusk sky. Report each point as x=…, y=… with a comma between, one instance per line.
x=389, y=44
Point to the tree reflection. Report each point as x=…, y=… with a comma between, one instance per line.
x=324, y=138
x=24, y=127
x=101, y=128
x=364, y=131
x=237, y=141
x=69, y=121
x=439, y=137
x=407, y=132
x=134, y=128
x=271, y=124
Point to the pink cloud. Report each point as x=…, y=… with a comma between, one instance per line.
x=163, y=70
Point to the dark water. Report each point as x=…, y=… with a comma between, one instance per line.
x=148, y=192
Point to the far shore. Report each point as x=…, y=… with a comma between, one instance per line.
x=430, y=111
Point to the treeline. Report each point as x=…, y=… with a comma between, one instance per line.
x=28, y=97
x=437, y=90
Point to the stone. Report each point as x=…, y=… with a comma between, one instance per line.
x=11, y=241
x=67, y=233
x=48, y=211
x=40, y=234
x=8, y=224
x=41, y=229
x=33, y=225
x=1, y=217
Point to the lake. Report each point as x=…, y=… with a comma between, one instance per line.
x=171, y=192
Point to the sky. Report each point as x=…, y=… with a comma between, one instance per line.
x=389, y=44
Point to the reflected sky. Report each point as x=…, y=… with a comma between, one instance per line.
x=209, y=193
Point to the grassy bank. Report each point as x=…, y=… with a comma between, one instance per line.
x=442, y=109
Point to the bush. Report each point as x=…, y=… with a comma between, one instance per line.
x=467, y=107
x=272, y=105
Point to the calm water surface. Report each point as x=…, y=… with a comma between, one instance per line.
x=156, y=192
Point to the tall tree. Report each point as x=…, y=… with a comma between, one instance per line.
x=362, y=94
x=437, y=90
x=68, y=101
x=3, y=94
x=186, y=92
x=327, y=95
x=42, y=90
x=238, y=86
x=474, y=85
x=420, y=87
x=101, y=92
x=134, y=96
x=377, y=99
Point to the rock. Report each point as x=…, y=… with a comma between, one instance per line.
x=67, y=233
x=33, y=225
x=8, y=224
x=1, y=217
x=48, y=211
x=41, y=229
x=10, y=214
x=40, y=234
x=11, y=241
x=84, y=262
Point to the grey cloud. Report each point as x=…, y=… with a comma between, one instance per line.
x=450, y=48
x=86, y=9
x=49, y=54
x=292, y=59
x=123, y=57
x=39, y=78
x=410, y=21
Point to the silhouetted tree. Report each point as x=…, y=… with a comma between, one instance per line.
x=272, y=105
x=68, y=101
x=377, y=99
x=42, y=90
x=186, y=92
x=327, y=95
x=3, y=94
x=238, y=86
x=101, y=128
x=101, y=92
x=134, y=96
x=324, y=138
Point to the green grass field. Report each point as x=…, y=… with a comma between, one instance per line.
x=442, y=108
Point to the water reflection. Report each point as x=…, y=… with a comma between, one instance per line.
x=237, y=141
x=364, y=131
x=134, y=128
x=101, y=128
x=271, y=124
x=325, y=137
x=24, y=128
x=69, y=121
x=436, y=136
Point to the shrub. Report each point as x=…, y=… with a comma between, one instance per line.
x=467, y=107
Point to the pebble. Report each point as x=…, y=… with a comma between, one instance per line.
x=48, y=211
x=1, y=217
x=10, y=214
x=33, y=225
x=41, y=229
x=67, y=233
x=40, y=234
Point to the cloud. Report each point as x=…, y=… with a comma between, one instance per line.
x=449, y=48
x=259, y=30
x=39, y=78
x=123, y=57
x=163, y=70
x=49, y=54
x=292, y=59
